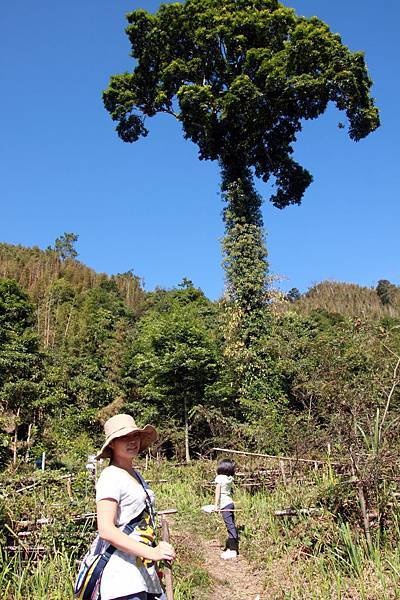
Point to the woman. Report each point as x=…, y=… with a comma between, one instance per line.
x=123, y=497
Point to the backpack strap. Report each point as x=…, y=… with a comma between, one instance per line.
x=149, y=503
x=129, y=527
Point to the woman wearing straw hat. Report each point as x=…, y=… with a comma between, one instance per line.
x=123, y=498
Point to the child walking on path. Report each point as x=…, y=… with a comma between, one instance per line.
x=223, y=501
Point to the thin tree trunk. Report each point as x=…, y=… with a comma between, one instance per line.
x=15, y=439
x=362, y=501
x=363, y=507
x=187, y=453
x=38, y=315
x=28, y=442
x=68, y=322
x=54, y=332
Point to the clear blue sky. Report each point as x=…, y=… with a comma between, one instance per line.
x=153, y=206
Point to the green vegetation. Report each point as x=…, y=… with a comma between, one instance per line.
x=330, y=372
x=318, y=552
x=75, y=349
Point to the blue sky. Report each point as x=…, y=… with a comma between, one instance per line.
x=153, y=206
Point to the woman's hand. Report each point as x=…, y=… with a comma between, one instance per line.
x=163, y=551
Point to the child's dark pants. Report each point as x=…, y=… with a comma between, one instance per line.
x=232, y=543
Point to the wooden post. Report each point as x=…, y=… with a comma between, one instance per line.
x=168, y=567
x=282, y=468
x=364, y=513
x=69, y=489
x=362, y=501
x=43, y=460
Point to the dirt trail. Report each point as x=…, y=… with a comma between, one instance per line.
x=234, y=579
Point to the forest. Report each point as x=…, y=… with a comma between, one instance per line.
x=79, y=346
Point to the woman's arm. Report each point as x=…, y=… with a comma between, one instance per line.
x=106, y=514
x=217, y=496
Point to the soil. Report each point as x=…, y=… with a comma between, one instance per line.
x=234, y=579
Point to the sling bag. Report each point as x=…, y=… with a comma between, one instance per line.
x=87, y=586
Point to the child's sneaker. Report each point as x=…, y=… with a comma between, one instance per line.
x=227, y=554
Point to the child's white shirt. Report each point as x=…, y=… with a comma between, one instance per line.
x=225, y=482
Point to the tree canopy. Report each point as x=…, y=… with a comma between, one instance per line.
x=241, y=76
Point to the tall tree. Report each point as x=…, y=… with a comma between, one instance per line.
x=241, y=76
x=65, y=246
x=386, y=291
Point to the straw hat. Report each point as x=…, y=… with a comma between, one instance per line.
x=121, y=425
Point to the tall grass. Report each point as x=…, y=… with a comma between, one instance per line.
x=48, y=579
x=302, y=557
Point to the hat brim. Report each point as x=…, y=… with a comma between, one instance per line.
x=148, y=435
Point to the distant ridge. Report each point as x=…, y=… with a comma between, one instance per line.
x=350, y=299
x=36, y=269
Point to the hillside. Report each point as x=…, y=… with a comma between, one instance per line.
x=35, y=270
x=352, y=300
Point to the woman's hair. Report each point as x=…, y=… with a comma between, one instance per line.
x=226, y=467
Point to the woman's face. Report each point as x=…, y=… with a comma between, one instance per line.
x=127, y=446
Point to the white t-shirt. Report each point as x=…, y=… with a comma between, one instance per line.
x=124, y=573
x=226, y=486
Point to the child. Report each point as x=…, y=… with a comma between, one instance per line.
x=223, y=500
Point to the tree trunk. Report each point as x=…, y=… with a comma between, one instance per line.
x=187, y=453
x=68, y=322
x=28, y=442
x=364, y=513
x=15, y=439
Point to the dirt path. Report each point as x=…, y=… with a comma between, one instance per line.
x=234, y=579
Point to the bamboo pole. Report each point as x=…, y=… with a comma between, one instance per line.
x=289, y=458
x=292, y=512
